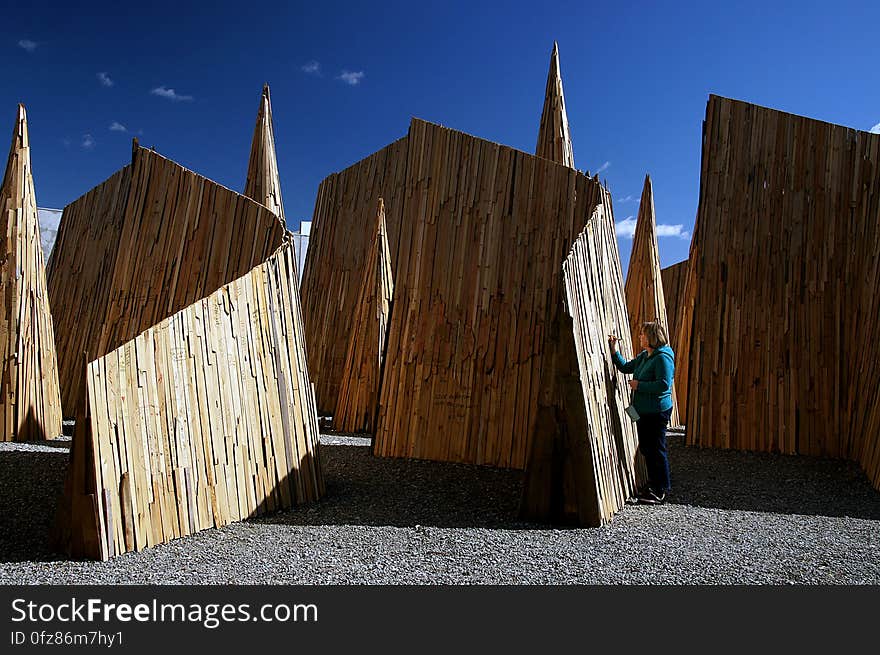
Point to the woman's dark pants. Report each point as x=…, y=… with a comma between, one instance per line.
x=652, y=443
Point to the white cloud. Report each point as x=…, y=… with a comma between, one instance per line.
x=170, y=94
x=604, y=167
x=50, y=219
x=627, y=229
x=117, y=127
x=27, y=44
x=312, y=67
x=88, y=142
x=876, y=129
x=352, y=78
x=629, y=198
x=104, y=79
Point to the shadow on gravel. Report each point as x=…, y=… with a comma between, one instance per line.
x=764, y=482
x=30, y=483
x=378, y=491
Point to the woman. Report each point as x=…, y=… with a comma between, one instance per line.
x=652, y=371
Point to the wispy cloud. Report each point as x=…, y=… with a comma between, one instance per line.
x=170, y=94
x=629, y=198
x=352, y=78
x=28, y=45
x=117, y=127
x=65, y=143
x=311, y=67
x=104, y=79
x=626, y=229
x=876, y=129
x=88, y=142
x=604, y=167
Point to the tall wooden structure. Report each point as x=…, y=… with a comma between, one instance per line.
x=784, y=287
x=194, y=406
x=30, y=403
x=478, y=233
x=358, y=404
x=674, y=279
x=644, y=285
x=263, y=182
x=554, y=136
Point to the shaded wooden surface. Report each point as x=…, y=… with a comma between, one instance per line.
x=206, y=418
x=554, y=135
x=584, y=462
x=358, y=405
x=30, y=403
x=645, y=299
x=263, y=182
x=149, y=241
x=674, y=280
x=784, y=280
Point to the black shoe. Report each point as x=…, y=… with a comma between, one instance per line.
x=651, y=497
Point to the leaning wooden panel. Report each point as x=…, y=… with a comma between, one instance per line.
x=645, y=300
x=554, y=135
x=358, y=402
x=263, y=182
x=149, y=241
x=784, y=286
x=674, y=280
x=30, y=403
x=584, y=462
x=342, y=233
x=483, y=234
x=204, y=419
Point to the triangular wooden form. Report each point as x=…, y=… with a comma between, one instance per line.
x=358, y=404
x=263, y=183
x=644, y=285
x=554, y=137
x=30, y=401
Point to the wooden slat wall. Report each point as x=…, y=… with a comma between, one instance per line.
x=784, y=283
x=584, y=461
x=342, y=232
x=204, y=419
x=358, y=404
x=554, y=136
x=645, y=299
x=263, y=182
x=674, y=280
x=149, y=243
x=30, y=402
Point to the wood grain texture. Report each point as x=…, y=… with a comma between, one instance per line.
x=674, y=281
x=205, y=418
x=782, y=293
x=146, y=243
x=645, y=299
x=263, y=182
x=554, y=135
x=358, y=406
x=30, y=402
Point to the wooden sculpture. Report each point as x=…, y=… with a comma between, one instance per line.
x=554, y=137
x=30, y=404
x=144, y=244
x=197, y=409
x=479, y=233
x=644, y=285
x=783, y=289
x=358, y=403
x=263, y=183
x=674, y=278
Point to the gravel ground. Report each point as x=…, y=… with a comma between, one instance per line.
x=733, y=518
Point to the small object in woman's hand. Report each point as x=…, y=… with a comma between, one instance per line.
x=633, y=384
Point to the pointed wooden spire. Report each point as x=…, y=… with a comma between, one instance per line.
x=358, y=404
x=263, y=183
x=644, y=284
x=554, y=138
x=30, y=402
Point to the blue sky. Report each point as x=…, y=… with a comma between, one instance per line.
x=347, y=77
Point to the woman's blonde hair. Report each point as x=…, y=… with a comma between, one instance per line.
x=655, y=333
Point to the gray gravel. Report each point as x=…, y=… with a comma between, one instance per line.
x=733, y=518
